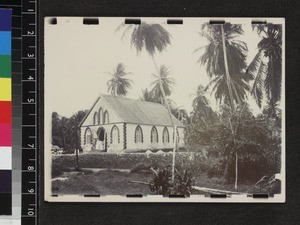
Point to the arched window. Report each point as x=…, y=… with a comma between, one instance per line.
x=138, y=136
x=100, y=116
x=165, y=135
x=114, y=136
x=95, y=118
x=106, y=118
x=154, y=135
x=88, y=136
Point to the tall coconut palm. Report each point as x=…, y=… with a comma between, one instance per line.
x=118, y=85
x=153, y=38
x=167, y=83
x=224, y=58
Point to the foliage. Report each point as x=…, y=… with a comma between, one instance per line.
x=268, y=184
x=160, y=184
x=202, y=118
x=270, y=50
x=118, y=85
x=151, y=37
x=64, y=131
x=183, y=183
x=148, y=96
x=193, y=161
x=252, y=141
x=212, y=57
x=167, y=83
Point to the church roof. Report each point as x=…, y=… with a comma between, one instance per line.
x=138, y=111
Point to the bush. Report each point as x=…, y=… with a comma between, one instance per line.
x=162, y=184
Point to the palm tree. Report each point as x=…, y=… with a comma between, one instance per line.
x=269, y=52
x=118, y=85
x=224, y=58
x=167, y=83
x=153, y=38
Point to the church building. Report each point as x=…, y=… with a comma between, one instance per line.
x=116, y=124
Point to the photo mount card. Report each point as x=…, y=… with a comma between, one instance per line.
x=116, y=89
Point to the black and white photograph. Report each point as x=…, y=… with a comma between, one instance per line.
x=164, y=109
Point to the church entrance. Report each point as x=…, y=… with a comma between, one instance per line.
x=101, y=139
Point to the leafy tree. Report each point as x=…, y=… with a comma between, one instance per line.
x=253, y=143
x=64, y=131
x=148, y=96
x=153, y=38
x=118, y=85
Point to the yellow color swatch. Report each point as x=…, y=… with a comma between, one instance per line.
x=5, y=89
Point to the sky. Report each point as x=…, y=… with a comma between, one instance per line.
x=79, y=58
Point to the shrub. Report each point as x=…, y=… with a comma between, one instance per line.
x=183, y=183
x=160, y=184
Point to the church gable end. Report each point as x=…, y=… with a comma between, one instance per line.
x=100, y=113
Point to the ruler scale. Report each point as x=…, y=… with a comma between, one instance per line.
x=15, y=5
x=29, y=109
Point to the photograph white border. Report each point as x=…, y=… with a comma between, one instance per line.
x=278, y=198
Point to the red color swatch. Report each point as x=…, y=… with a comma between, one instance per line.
x=5, y=112
x=5, y=134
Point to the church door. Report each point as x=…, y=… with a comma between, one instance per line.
x=101, y=139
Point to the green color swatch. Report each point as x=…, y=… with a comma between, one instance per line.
x=5, y=66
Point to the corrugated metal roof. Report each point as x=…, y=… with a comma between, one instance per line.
x=138, y=111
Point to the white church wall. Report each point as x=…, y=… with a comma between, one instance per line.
x=147, y=144
x=111, y=147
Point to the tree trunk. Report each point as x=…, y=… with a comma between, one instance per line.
x=228, y=81
x=76, y=144
x=236, y=170
x=171, y=117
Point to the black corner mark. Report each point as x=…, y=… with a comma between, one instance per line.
x=177, y=196
x=133, y=21
x=258, y=22
x=134, y=196
x=212, y=22
x=90, y=21
x=218, y=196
x=173, y=21
x=53, y=21
x=87, y=196
x=260, y=196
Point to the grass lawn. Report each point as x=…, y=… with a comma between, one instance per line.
x=106, y=182
x=111, y=182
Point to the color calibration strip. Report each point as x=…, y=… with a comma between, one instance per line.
x=5, y=113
